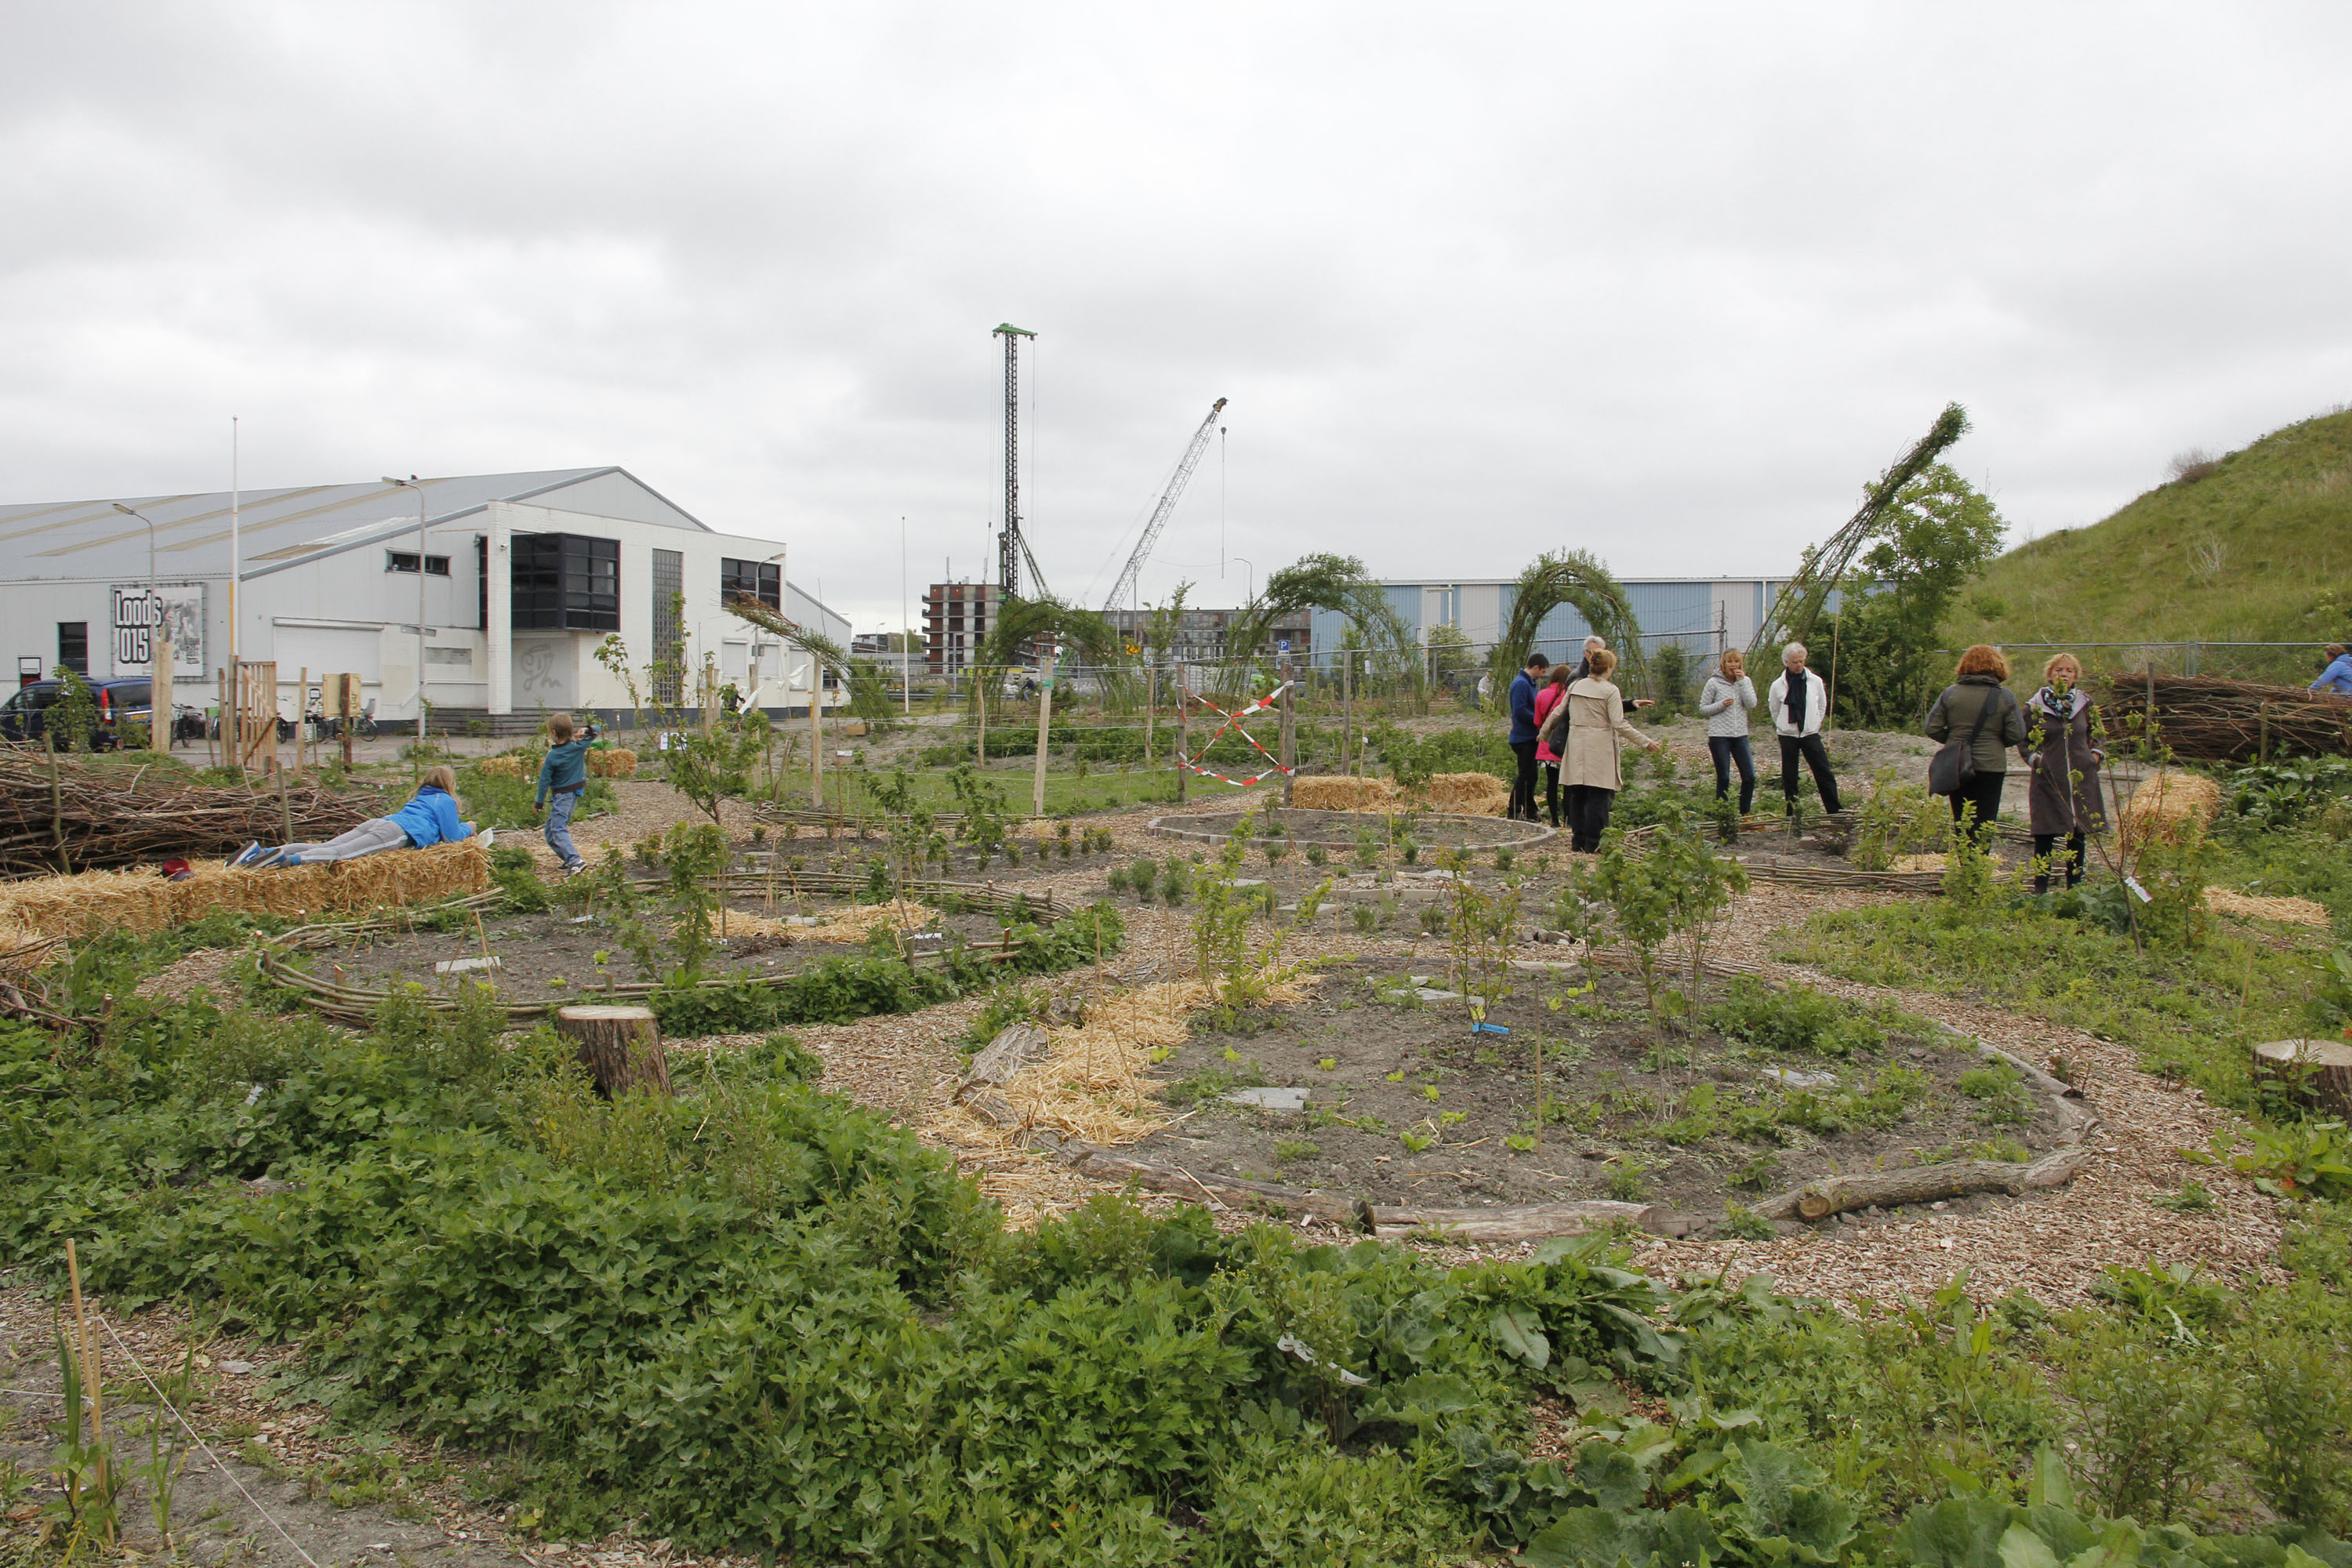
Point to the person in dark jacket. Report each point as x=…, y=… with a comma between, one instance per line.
x=1978, y=691
x=2067, y=799
x=1523, y=736
x=563, y=779
x=1584, y=672
x=430, y=818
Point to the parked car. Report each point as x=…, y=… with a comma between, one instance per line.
x=120, y=703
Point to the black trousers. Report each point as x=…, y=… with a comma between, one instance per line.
x=1551, y=791
x=1523, y=788
x=1588, y=815
x=2042, y=844
x=1727, y=749
x=1817, y=757
x=1983, y=793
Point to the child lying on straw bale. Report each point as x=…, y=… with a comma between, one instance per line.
x=430, y=818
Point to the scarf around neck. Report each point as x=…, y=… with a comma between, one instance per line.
x=1798, y=689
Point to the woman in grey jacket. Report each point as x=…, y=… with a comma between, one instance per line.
x=1725, y=701
x=1977, y=692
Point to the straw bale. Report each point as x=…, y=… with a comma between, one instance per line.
x=2168, y=809
x=2251, y=906
x=1470, y=795
x=615, y=762
x=142, y=902
x=500, y=767
x=1332, y=792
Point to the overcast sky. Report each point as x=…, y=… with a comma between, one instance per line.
x=1667, y=282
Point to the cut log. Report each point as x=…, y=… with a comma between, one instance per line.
x=1923, y=1183
x=2317, y=1071
x=1088, y=1161
x=620, y=1047
x=1524, y=1221
x=990, y=1107
x=1012, y=1049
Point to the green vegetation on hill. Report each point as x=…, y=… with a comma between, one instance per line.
x=2254, y=547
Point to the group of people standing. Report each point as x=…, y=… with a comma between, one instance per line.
x=1575, y=725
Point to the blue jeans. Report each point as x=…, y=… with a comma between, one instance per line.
x=560, y=808
x=1727, y=749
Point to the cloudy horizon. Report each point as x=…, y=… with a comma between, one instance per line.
x=1669, y=286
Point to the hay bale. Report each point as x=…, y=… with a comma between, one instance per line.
x=500, y=767
x=1342, y=794
x=143, y=902
x=2170, y=808
x=2250, y=906
x=616, y=763
x=1468, y=794
x=851, y=926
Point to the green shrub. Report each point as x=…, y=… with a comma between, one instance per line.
x=1797, y=1020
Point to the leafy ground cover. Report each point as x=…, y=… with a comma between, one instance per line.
x=754, y=1316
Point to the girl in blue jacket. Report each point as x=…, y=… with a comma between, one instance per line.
x=430, y=818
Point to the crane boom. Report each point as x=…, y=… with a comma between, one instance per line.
x=1125, y=587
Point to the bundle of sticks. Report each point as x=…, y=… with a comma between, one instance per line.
x=57, y=817
x=2207, y=718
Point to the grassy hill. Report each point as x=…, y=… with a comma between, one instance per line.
x=2254, y=547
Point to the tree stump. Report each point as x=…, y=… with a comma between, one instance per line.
x=620, y=1047
x=2318, y=1071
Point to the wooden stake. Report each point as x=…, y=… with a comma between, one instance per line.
x=87, y=1353
x=1183, y=700
x=1044, y=727
x=159, y=698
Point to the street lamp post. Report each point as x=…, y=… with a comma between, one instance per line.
x=413, y=483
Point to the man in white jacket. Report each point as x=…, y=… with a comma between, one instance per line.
x=1799, y=702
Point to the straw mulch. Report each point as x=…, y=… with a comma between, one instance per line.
x=2168, y=809
x=500, y=767
x=1317, y=792
x=23, y=955
x=1916, y=863
x=850, y=926
x=141, y=902
x=615, y=763
x=2249, y=906
x=1094, y=1084
x=1470, y=795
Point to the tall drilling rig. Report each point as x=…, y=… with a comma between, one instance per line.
x=1009, y=546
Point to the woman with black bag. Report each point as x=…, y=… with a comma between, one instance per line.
x=1979, y=707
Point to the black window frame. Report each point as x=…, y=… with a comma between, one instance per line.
x=404, y=561
x=74, y=634
x=763, y=580
x=565, y=583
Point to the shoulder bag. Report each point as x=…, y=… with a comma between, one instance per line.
x=1954, y=766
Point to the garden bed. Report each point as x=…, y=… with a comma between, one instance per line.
x=1345, y=829
x=1403, y=1105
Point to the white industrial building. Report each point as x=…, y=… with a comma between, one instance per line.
x=524, y=577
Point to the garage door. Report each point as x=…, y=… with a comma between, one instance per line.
x=324, y=651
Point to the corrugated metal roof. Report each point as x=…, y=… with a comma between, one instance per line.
x=277, y=528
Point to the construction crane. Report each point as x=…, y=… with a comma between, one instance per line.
x=1125, y=587
x=1011, y=551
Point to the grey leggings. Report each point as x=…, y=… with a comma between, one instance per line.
x=381, y=833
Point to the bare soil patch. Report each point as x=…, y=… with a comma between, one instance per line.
x=1405, y=1105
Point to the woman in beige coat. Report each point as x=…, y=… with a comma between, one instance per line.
x=1597, y=731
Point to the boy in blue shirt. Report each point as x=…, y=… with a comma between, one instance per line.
x=563, y=778
x=2337, y=677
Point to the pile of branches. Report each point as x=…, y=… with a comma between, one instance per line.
x=2206, y=719
x=60, y=817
